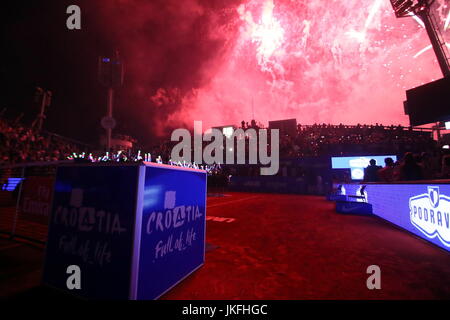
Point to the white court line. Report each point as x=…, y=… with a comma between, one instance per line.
x=233, y=201
x=10, y=246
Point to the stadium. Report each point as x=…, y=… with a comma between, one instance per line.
x=225, y=150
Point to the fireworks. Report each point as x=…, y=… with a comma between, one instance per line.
x=267, y=33
x=317, y=61
x=320, y=61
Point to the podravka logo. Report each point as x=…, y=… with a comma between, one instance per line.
x=429, y=212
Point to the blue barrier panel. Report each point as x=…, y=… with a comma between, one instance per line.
x=336, y=197
x=422, y=209
x=353, y=207
x=173, y=229
x=102, y=221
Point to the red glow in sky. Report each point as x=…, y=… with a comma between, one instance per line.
x=324, y=61
x=317, y=61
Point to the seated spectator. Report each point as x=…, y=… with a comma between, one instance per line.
x=387, y=174
x=371, y=172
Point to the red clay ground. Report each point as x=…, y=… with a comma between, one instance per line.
x=286, y=247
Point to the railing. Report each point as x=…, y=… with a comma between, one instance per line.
x=334, y=126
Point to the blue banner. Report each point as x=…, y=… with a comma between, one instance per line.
x=422, y=209
x=173, y=228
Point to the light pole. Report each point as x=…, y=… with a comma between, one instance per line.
x=111, y=76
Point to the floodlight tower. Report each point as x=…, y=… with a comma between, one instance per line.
x=421, y=8
x=110, y=74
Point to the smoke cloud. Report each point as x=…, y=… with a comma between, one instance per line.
x=224, y=61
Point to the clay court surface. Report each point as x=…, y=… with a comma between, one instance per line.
x=267, y=246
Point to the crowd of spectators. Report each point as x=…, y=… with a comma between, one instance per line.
x=420, y=156
x=411, y=167
x=423, y=159
x=326, y=139
x=319, y=140
x=20, y=144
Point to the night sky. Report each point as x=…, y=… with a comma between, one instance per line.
x=41, y=51
x=317, y=61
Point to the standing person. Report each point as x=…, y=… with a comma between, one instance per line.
x=428, y=168
x=409, y=169
x=386, y=174
x=371, y=172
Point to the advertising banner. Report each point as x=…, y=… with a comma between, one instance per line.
x=173, y=228
x=129, y=231
x=91, y=227
x=35, y=202
x=422, y=209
